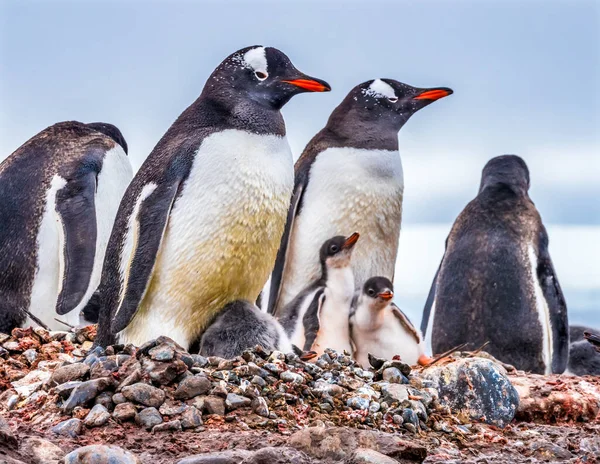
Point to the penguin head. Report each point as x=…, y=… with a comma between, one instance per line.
x=506, y=172
x=386, y=103
x=264, y=75
x=337, y=251
x=379, y=292
x=112, y=131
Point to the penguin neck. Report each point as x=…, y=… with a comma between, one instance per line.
x=340, y=281
x=352, y=130
x=373, y=317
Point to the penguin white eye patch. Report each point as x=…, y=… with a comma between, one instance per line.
x=260, y=75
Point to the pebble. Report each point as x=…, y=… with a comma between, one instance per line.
x=174, y=425
x=85, y=392
x=31, y=355
x=41, y=451
x=101, y=454
x=214, y=405
x=192, y=386
x=68, y=428
x=105, y=399
x=162, y=352
x=292, y=377
x=97, y=416
x=398, y=420
x=148, y=418
x=191, y=418
x=172, y=408
x=393, y=375
x=144, y=394
x=124, y=412
x=369, y=456
x=7, y=437
x=234, y=401
x=260, y=407
x=118, y=398
x=357, y=402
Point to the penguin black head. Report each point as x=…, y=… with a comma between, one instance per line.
x=506, y=171
x=337, y=251
x=112, y=131
x=380, y=107
x=379, y=290
x=262, y=74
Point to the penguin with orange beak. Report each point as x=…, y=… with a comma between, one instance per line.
x=380, y=328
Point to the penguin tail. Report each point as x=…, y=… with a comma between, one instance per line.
x=91, y=311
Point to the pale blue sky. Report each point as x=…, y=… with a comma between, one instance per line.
x=526, y=76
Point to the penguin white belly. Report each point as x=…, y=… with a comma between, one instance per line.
x=222, y=236
x=113, y=179
x=350, y=190
x=48, y=276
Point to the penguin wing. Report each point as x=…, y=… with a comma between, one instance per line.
x=279, y=269
x=312, y=319
x=405, y=321
x=430, y=301
x=149, y=228
x=557, y=306
x=75, y=205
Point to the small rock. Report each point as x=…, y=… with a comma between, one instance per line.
x=69, y=428
x=199, y=361
x=124, y=412
x=144, y=394
x=410, y=417
x=192, y=386
x=214, y=405
x=118, y=398
x=105, y=399
x=590, y=445
x=167, y=426
x=393, y=375
x=191, y=418
x=101, y=454
x=234, y=401
x=85, y=392
x=357, y=402
x=134, y=377
x=549, y=451
x=161, y=372
x=7, y=437
x=221, y=457
x=259, y=406
x=97, y=416
x=328, y=388
x=148, y=418
x=31, y=355
x=162, y=352
x=398, y=420
x=292, y=377
x=172, y=408
x=257, y=380
x=369, y=456
x=41, y=451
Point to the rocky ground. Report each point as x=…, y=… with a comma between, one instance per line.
x=61, y=401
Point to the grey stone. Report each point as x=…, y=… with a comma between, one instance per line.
x=174, y=425
x=31, y=355
x=214, y=405
x=148, y=418
x=331, y=389
x=104, y=367
x=550, y=451
x=69, y=373
x=223, y=457
x=292, y=377
x=86, y=392
x=144, y=394
x=69, y=428
x=357, y=402
x=118, y=398
x=259, y=406
x=369, y=456
x=393, y=375
x=105, y=399
x=161, y=372
x=124, y=412
x=191, y=418
x=162, y=352
x=134, y=377
x=192, y=386
x=171, y=408
x=101, y=454
x=257, y=380
x=41, y=451
x=234, y=401
x=97, y=416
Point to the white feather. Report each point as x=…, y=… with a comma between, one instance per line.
x=379, y=88
x=256, y=59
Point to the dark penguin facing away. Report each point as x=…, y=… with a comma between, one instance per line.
x=208, y=204
x=350, y=177
x=239, y=326
x=584, y=351
x=496, y=282
x=59, y=194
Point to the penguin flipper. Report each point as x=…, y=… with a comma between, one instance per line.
x=557, y=306
x=405, y=321
x=312, y=319
x=429, y=303
x=75, y=204
x=279, y=269
x=151, y=223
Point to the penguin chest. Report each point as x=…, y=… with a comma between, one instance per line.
x=224, y=229
x=351, y=190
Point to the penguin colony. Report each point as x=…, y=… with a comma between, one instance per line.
x=184, y=248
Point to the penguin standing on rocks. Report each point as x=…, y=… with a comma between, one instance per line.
x=318, y=317
x=59, y=194
x=349, y=177
x=496, y=283
x=380, y=328
x=200, y=224
x=584, y=351
x=239, y=326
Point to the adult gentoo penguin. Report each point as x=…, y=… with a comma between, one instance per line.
x=241, y=325
x=318, y=317
x=496, y=282
x=349, y=177
x=200, y=224
x=59, y=194
x=584, y=351
x=380, y=328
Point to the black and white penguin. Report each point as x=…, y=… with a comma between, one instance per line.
x=349, y=177
x=200, y=224
x=496, y=282
x=59, y=194
x=380, y=328
x=318, y=317
x=584, y=351
x=241, y=325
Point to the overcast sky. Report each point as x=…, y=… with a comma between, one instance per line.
x=526, y=77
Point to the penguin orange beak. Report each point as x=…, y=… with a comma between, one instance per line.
x=310, y=85
x=351, y=241
x=387, y=295
x=434, y=94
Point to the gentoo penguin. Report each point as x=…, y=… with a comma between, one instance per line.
x=380, y=328
x=349, y=177
x=200, y=224
x=59, y=194
x=584, y=358
x=496, y=283
x=240, y=325
x=318, y=317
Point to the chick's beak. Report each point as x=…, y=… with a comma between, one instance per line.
x=387, y=295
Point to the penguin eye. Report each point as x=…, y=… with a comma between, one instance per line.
x=371, y=292
x=261, y=76
x=333, y=248
x=393, y=99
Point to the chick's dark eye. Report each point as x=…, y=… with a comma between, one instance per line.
x=261, y=75
x=371, y=292
x=333, y=248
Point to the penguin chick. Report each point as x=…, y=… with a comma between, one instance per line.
x=318, y=317
x=380, y=328
x=239, y=326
